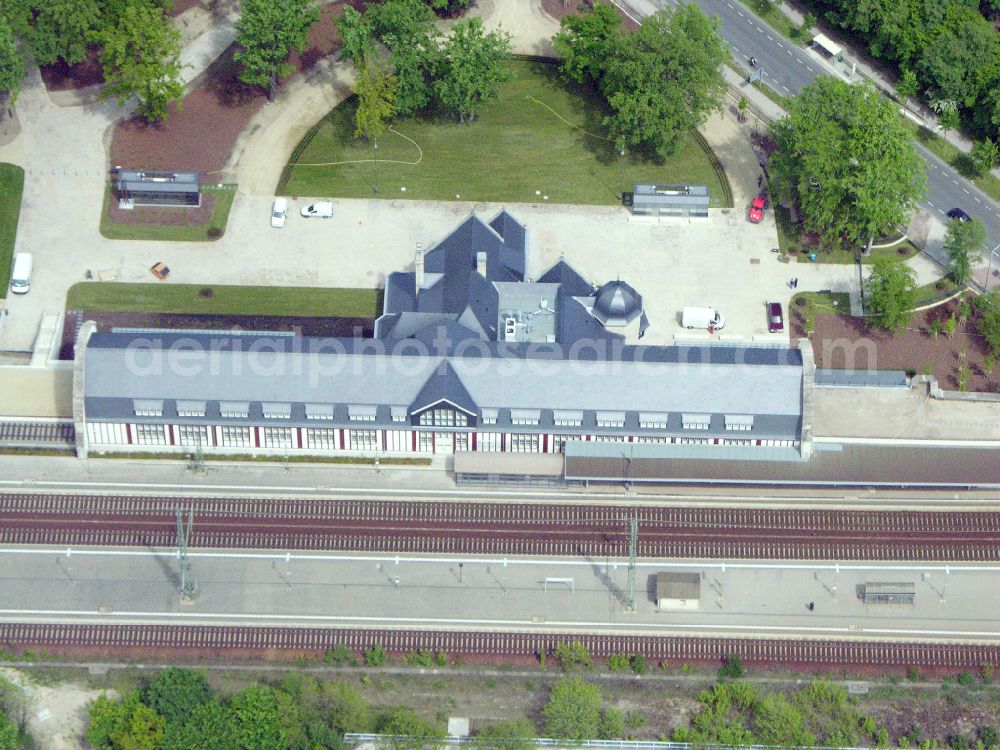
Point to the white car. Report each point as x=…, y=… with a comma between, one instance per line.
x=280, y=212
x=318, y=210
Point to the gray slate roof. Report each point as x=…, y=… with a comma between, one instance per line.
x=713, y=380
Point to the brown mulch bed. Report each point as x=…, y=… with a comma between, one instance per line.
x=196, y=136
x=200, y=134
x=62, y=77
x=173, y=216
x=910, y=350
x=179, y=6
x=303, y=326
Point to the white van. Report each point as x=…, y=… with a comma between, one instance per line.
x=702, y=317
x=20, y=276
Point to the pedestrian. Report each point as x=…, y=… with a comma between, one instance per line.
x=791, y=283
x=760, y=180
x=796, y=282
x=811, y=606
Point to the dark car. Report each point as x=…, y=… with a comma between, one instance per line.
x=775, y=320
x=957, y=213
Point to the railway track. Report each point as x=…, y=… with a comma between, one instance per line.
x=248, y=642
x=497, y=528
x=56, y=434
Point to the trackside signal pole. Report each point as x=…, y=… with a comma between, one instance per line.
x=188, y=586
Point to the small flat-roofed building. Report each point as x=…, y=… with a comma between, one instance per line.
x=677, y=591
x=828, y=47
x=670, y=200
x=149, y=188
x=889, y=593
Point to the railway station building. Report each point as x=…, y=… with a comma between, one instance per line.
x=469, y=356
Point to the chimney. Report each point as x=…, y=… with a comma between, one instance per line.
x=418, y=267
x=481, y=263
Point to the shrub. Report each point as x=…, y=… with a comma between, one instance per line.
x=989, y=364
x=934, y=328
x=376, y=656
x=573, y=655
x=618, y=662
x=612, y=724
x=421, y=658
x=963, y=385
x=213, y=233
x=732, y=666
x=639, y=665
x=206, y=292
x=339, y=655
x=635, y=720
x=989, y=735
x=949, y=325
x=966, y=678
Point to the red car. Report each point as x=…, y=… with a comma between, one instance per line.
x=757, y=207
x=775, y=320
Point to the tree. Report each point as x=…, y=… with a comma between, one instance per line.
x=9, y=738
x=890, y=293
x=586, y=42
x=408, y=30
x=474, y=67
x=908, y=85
x=267, y=32
x=174, y=693
x=62, y=29
x=347, y=709
x=11, y=64
x=356, y=40
x=256, y=723
x=988, y=324
x=984, y=155
x=665, y=79
x=953, y=66
x=573, y=711
x=963, y=244
x=847, y=160
x=612, y=724
x=209, y=727
x=141, y=57
x=406, y=722
x=127, y=724
x=375, y=88
x=448, y=7
x=512, y=734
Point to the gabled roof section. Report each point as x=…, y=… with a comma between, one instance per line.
x=572, y=282
x=443, y=385
x=400, y=292
x=449, y=332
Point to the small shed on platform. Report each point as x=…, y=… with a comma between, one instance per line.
x=828, y=47
x=677, y=591
x=670, y=200
x=148, y=188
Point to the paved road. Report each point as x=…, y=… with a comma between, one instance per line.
x=788, y=68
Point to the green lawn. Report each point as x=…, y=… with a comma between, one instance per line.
x=936, y=291
x=220, y=215
x=224, y=300
x=541, y=135
x=11, y=185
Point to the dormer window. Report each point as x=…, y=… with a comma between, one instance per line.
x=443, y=418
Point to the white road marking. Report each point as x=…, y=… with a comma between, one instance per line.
x=954, y=180
x=966, y=191
x=809, y=68
x=760, y=29
x=977, y=199
x=741, y=14
x=930, y=204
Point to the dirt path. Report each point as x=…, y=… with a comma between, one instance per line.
x=57, y=713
